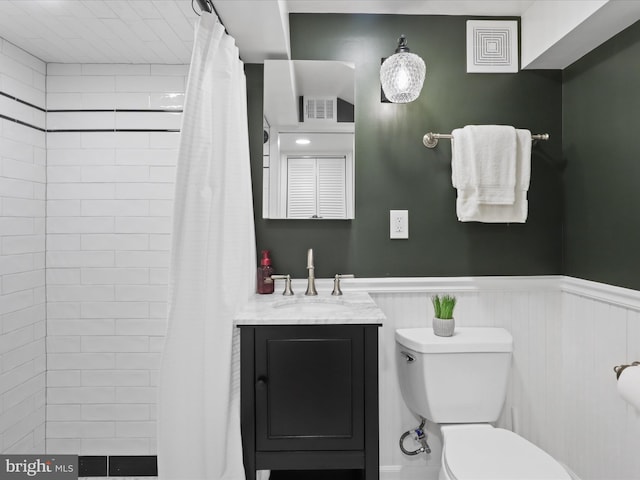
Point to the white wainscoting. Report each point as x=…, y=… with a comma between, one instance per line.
x=599, y=432
x=528, y=307
x=568, y=335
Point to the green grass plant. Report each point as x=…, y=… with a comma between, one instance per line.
x=443, y=307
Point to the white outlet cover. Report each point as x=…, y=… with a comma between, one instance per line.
x=398, y=224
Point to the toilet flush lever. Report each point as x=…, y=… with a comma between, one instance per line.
x=408, y=357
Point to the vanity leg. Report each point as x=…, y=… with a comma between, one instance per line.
x=247, y=400
x=371, y=439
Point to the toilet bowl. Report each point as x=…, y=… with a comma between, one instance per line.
x=478, y=451
x=460, y=383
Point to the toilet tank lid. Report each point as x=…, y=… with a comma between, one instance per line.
x=464, y=339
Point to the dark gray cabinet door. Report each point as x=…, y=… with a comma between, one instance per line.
x=309, y=388
x=309, y=400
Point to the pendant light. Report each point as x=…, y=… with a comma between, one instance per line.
x=402, y=74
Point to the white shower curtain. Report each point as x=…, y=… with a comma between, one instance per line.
x=212, y=271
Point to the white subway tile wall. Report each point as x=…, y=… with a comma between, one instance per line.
x=22, y=252
x=110, y=198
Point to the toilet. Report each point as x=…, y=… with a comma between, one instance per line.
x=460, y=383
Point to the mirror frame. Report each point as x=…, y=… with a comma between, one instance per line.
x=286, y=84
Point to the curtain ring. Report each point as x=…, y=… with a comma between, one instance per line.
x=194, y=8
x=209, y=3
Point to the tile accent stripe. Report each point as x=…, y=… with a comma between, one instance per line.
x=103, y=130
x=117, y=466
x=89, y=110
x=22, y=101
x=20, y=122
x=114, y=110
x=92, y=466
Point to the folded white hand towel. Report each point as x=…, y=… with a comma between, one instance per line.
x=470, y=210
x=483, y=163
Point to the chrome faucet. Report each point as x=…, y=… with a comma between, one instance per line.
x=311, y=279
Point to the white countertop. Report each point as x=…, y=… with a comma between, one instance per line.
x=323, y=309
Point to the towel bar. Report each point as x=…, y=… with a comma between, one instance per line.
x=430, y=140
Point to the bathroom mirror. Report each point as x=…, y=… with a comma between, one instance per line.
x=308, y=151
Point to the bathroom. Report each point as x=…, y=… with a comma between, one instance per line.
x=86, y=225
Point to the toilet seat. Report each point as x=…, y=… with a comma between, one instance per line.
x=481, y=452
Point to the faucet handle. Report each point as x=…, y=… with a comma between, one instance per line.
x=287, y=283
x=336, y=282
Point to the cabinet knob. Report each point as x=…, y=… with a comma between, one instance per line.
x=261, y=382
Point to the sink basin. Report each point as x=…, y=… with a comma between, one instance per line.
x=312, y=304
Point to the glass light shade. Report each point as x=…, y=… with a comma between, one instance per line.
x=402, y=76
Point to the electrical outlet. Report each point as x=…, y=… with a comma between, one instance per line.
x=398, y=224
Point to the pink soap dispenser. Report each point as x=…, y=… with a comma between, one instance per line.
x=265, y=270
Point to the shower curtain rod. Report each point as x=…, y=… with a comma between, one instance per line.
x=207, y=6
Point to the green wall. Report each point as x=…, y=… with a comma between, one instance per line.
x=395, y=171
x=601, y=104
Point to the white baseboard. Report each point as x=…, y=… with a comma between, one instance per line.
x=404, y=472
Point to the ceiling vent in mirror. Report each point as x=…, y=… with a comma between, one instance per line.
x=320, y=109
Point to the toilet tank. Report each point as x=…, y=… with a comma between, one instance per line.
x=458, y=379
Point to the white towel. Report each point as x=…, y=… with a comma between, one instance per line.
x=470, y=209
x=484, y=163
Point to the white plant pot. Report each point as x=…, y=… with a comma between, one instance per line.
x=444, y=328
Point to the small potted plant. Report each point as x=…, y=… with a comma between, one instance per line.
x=443, y=321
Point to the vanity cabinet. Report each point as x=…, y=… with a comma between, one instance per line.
x=309, y=398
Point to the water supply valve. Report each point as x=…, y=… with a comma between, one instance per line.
x=419, y=436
